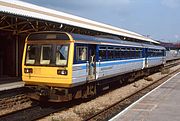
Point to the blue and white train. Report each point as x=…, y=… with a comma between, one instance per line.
x=63, y=66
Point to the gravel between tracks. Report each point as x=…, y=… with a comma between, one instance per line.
x=79, y=112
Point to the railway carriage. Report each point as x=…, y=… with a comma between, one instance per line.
x=61, y=66
x=172, y=54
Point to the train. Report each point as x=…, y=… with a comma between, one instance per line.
x=61, y=66
x=172, y=54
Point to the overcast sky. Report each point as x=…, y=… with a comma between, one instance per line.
x=158, y=18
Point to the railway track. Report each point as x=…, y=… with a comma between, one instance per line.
x=32, y=113
x=9, y=102
x=37, y=111
x=172, y=63
x=119, y=106
x=13, y=100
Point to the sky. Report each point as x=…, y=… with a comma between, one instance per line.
x=159, y=19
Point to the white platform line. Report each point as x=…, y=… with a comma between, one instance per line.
x=112, y=119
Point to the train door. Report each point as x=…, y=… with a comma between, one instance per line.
x=91, y=69
x=164, y=56
x=145, y=55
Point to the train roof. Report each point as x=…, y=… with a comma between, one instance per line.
x=33, y=11
x=86, y=39
x=99, y=40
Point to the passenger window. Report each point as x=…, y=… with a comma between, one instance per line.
x=46, y=51
x=150, y=53
x=81, y=53
x=122, y=53
x=126, y=53
x=62, y=55
x=131, y=53
x=31, y=54
x=110, y=52
x=140, y=53
x=102, y=53
x=117, y=53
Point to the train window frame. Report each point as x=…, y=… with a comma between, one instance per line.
x=110, y=53
x=38, y=55
x=122, y=54
x=131, y=53
x=117, y=52
x=47, y=36
x=155, y=53
x=126, y=53
x=57, y=61
x=102, y=48
x=30, y=61
x=42, y=60
x=82, y=56
x=140, y=53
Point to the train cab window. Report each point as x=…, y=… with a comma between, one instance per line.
x=46, y=52
x=61, y=55
x=81, y=53
x=31, y=54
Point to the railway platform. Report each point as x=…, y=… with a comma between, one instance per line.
x=161, y=104
x=5, y=80
x=12, y=85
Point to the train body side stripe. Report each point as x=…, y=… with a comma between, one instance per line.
x=110, y=63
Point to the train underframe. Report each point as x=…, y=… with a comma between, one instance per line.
x=56, y=94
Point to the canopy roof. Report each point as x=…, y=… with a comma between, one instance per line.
x=19, y=8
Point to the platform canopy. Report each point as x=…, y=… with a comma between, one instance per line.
x=21, y=17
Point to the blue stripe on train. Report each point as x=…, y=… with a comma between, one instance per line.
x=120, y=62
x=110, y=63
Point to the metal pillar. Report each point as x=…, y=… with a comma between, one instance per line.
x=17, y=56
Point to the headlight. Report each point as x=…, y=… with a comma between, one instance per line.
x=28, y=70
x=62, y=72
